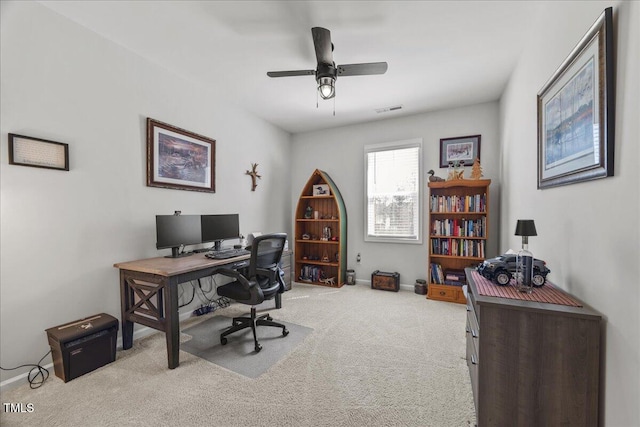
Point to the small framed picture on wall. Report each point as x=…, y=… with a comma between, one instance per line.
x=37, y=152
x=459, y=149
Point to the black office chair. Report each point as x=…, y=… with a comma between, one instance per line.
x=262, y=282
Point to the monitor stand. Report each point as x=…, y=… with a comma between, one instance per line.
x=217, y=246
x=175, y=253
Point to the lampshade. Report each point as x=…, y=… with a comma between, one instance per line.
x=326, y=87
x=526, y=227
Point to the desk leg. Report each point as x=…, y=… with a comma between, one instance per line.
x=125, y=305
x=172, y=326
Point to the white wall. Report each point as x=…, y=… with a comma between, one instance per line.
x=340, y=153
x=63, y=231
x=588, y=232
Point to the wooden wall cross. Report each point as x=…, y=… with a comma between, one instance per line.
x=254, y=174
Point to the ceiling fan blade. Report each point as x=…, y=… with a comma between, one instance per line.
x=362, y=69
x=322, y=43
x=291, y=73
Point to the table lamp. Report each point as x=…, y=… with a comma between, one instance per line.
x=524, y=260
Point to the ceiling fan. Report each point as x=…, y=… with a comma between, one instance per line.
x=327, y=72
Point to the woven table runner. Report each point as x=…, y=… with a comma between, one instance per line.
x=547, y=293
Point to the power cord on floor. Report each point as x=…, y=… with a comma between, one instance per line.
x=212, y=306
x=37, y=378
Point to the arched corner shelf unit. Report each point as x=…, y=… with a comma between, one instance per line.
x=321, y=233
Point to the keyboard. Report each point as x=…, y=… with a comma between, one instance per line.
x=227, y=253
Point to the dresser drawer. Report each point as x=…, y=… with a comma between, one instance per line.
x=472, y=321
x=473, y=343
x=472, y=363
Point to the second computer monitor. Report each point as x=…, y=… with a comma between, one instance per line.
x=216, y=228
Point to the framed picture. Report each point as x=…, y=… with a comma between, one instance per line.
x=321, y=190
x=179, y=159
x=39, y=153
x=576, y=112
x=460, y=149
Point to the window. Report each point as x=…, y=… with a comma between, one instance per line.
x=393, y=189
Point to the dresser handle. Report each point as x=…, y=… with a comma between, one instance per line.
x=473, y=360
x=442, y=293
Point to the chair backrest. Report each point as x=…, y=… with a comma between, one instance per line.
x=266, y=252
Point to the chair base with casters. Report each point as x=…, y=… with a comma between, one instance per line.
x=262, y=281
x=252, y=322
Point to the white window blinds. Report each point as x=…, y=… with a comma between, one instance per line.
x=393, y=192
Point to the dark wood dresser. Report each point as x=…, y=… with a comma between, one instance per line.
x=532, y=363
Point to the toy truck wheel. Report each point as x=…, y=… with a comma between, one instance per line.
x=538, y=279
x=502, y=277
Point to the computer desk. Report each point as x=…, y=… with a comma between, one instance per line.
x=149, y=294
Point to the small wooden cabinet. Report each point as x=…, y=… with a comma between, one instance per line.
x=458, y=233
x=321, y=233
x=532, y=363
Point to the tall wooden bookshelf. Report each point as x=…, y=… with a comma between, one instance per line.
x=458, y=233
x=321, y=233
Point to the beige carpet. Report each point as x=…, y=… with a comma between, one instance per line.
x=374, y=358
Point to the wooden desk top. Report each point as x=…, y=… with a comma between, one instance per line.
x=173, y=266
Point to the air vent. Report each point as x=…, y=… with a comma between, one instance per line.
x=388, y=109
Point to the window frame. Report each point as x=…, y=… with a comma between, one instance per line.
x=390, y=146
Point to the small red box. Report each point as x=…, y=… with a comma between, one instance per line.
x=385, y=281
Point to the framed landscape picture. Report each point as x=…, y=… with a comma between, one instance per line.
x=460, y=149
x=576, y=112
x=179, y=159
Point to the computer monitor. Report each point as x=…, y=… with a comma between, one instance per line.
x=216, y=228
x=174, y=231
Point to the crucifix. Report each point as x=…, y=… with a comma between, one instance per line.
x=254, y=175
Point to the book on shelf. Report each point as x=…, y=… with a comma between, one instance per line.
x=437, y=275
x=311, y=273
x=459, y=227
x=454, y=203
x=455, y=277
x=458, y=247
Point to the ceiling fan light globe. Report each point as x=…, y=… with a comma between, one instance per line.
x=326, y=87
x=326, y=92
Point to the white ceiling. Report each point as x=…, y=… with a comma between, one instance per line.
x=441, y=54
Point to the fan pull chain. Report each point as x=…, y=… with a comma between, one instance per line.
x=334, y=106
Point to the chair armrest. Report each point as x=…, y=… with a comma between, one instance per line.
x=235, y=275
x=281, y=281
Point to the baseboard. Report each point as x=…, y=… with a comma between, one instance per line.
x=368, y=283
x=143, y=332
